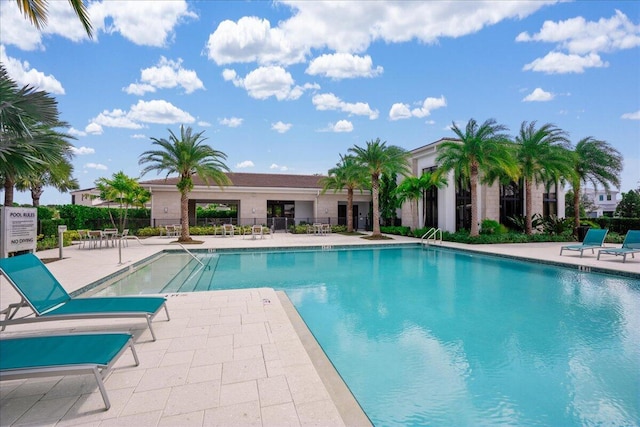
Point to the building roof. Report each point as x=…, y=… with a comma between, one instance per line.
x=252, y=180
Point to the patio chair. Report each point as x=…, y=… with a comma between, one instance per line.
x=57, y=355
x=40, y=291
x=228, y=230
x=592, y=240
x=630, y=245
x=256, y=230
x=84, y=238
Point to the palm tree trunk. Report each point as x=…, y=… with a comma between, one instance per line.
x=8, y=192
x=528, y=226
x=474, y=201
x=349, y=210
x=375, y=189
x=36, y=192
x=576, y=206
x=414, y=213
x=184, y=217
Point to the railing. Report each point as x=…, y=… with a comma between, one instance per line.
x=432, y=233
x=192, y=255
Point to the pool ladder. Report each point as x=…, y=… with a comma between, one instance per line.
x=432, y=233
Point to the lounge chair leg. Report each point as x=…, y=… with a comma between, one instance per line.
x=153, y=335
x=103, y=390
x=166, y=310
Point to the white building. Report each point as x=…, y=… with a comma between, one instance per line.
x=450, y=208
x=603, y=201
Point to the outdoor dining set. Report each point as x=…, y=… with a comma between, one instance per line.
x=95, y=239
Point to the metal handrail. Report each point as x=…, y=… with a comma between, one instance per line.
x=192, y=255
x=432, y=233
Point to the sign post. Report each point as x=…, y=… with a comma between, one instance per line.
x=18, y=230
x=61, y=230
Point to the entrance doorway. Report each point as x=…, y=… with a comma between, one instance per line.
x=281, y=213
x=342, y=215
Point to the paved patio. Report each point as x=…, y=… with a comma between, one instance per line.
x=236, y=357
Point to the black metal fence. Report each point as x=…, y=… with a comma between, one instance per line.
x=276, y=224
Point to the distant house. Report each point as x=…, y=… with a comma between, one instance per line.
x=604, y=202
x=271, y=199
x=450, y=208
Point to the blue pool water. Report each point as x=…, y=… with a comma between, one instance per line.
x=439, y=337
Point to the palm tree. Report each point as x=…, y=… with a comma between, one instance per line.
x=378, y=158
x=349, y=174
x=58, y=176
x=20, y=109
x=187, y=156
x=36, y=12
x=413, y=187
x=125, y=191
x=596, y=162
x=42, y=149
x=542, y=157
x=481, y=149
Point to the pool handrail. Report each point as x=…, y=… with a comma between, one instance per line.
x=432, y=233
x=192, y=255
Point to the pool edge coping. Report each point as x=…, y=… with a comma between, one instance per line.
x=348, y=406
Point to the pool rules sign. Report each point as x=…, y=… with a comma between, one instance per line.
x=18, y=230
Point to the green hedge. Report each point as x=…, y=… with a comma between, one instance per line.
x=618, y=225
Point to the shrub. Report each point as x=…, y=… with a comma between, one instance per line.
x=397, y=230
x=490, y=226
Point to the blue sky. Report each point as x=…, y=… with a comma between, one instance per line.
x=286, y=87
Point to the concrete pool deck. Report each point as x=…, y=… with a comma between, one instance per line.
x=235, y=357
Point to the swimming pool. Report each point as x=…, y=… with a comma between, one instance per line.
x=440, y=337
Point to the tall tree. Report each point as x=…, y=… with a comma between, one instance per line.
x=597, y=162
x=347, y=174
x=629, y=206
x=37, y=11
x=187, y=156
x=412, y=188
x=58, y=176
x=542, y=156
x=481, y=149
x=387, y=199
x=43, y=148
x=378, y=158
x=126, y=192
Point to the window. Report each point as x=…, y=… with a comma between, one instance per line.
x=601, y=197
x=463, y=204
x=511, y=202
x=609, y=197
x=430, y=204
x=550, y=201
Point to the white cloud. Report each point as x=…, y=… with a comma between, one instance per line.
x=232, y=122
x=245, y=164
x=159, y=111
x=204, y=124
x=264, y=82
x=81, y=151
x=343, y=66
x=166, y=74
x=341, y=126
x=142, y=22
x=281, y=127
x=328, y=101
x=22, y=73
x=278, y=167
x=154, y=111
x=139, y=136
x=561, y=63
x=350, y=27
x=631, y=116
x=76, y=132
x=97, y=166
x=251, y=39
x=400, y=111
x=579, y=42
x=538, y=95
x=93, y=128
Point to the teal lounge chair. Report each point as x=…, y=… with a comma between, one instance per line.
x=57, y=355
x=592, y=240
x=41, y=291
x=630, y=245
